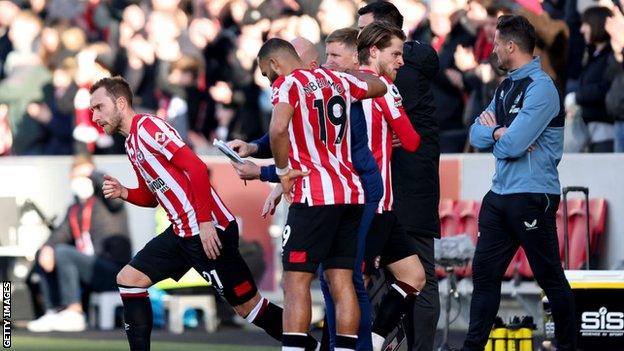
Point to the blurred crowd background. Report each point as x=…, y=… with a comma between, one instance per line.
x=192, y=62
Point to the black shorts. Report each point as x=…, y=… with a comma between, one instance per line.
x=170, y=256
x=387, y=242
x=320, y=234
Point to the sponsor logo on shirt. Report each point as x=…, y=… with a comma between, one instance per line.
x=158, y=185
x=514, y=108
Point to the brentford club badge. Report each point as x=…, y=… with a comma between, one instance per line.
x=139, y=156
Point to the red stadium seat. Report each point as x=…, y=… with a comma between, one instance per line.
x=449, y=223
x=598, y=215
x=524, y=269
x=468, y=214
x=577, y=228
x=513, y=266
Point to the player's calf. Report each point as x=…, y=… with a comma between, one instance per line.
x=410, y=280
x=297, y=319
x=347, y=308
x=264, y=314
x=137, y=308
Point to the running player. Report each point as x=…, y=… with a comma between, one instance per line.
x=310, y=132
x=203, y=233
x=380, y=51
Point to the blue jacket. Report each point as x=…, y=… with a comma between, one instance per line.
x=361, y=155
x=529, y=105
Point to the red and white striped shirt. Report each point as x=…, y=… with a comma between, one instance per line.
x=150, y=146
x=320, y=135
x=385, y=115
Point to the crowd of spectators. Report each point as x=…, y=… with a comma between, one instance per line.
x=192, y=62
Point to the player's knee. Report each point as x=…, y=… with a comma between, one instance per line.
x=246, y=307
x=414, y=278
x=297, y=280
x=415, y=282
x=418, y=280
x=129, y=276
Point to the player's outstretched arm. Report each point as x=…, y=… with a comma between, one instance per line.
x=113, y=189
x=280, y=146
x=272, y=201
x=141, y=196
x=195, y=169
x=376, y=87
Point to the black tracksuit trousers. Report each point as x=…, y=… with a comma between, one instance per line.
x=505, y=223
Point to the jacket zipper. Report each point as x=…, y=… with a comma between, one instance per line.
x=505, y=99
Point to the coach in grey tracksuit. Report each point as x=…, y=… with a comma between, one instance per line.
x=524, y=125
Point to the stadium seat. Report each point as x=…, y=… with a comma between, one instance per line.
x=598, y=215
x=176, y=305
x=513, y=266
x=524, y=269
x=467, y=212
x=449, y=223
x=102, y=306
x=577, y=229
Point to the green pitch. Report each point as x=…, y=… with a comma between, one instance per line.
x=28, y=343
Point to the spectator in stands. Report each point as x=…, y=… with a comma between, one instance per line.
x=593, y=82
x=615, y=96
x=180, y=92
x=25, y=80
x=336, y=14
x=552, y=40
x=87, y=250
x=8, y=11
x=448, y=32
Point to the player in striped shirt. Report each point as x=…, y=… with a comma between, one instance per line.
x=380, y=51
x=309, y=132
x=203, y=233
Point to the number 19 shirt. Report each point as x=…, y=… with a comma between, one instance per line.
x=319, y=134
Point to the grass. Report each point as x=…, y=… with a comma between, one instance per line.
x=28, y=343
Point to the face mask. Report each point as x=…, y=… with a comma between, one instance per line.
x=82, y=187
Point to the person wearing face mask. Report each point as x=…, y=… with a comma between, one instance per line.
x=86, y=251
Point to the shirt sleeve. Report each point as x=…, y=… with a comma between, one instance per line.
x=141, y=195
x=284, y=90
x=392, y=106
x=540, y=106
x=264, y=147
x=357, y=88
x=481, y=135
x=197, y=173
x=159, y=137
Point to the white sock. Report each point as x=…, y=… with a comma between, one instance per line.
x=254, y=312
x=378, y=341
